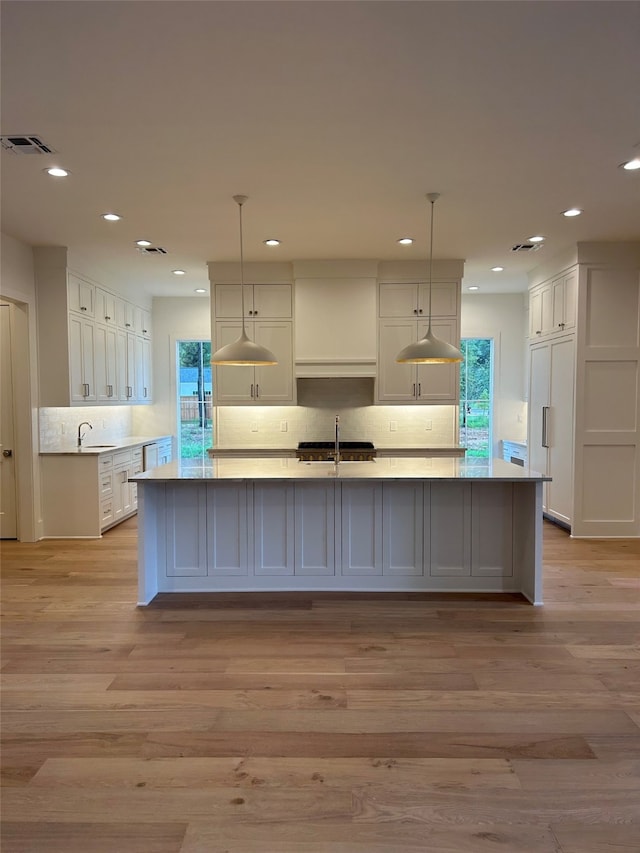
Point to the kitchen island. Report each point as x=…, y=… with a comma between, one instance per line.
x=393, y=524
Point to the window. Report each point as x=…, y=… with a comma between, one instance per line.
x=195, y=432
x=476, y=396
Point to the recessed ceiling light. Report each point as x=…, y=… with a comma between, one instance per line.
x=111, y=217
x=199, y=290
x=405, y=241
x=272, y=242
x=573, y=211
x=497, y=269
x=631, y=165
x=57, y=172
x=178, y=272
x=143, y=242
x=473, y=287
x=537, y=239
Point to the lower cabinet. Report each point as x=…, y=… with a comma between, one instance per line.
x=271, y=530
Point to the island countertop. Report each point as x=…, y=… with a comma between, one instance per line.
x=382, y=468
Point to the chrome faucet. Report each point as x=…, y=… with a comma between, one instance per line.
x=336, y=454
x=82, y=434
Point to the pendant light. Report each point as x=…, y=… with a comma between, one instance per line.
x=243, y=351
x=430, y=350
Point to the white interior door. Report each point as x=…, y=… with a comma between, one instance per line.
x=8, y=518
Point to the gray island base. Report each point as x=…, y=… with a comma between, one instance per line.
x=393, y=524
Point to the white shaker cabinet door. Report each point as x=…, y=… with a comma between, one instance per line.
x=396, y=383
x=403, y=529
x=361, y=529
x=492, y=529
x=450, y=509
x=439, y=383
x=315, y=529
x=227, y=530
x=186, y=530
x=274, y=384
x=273, y=529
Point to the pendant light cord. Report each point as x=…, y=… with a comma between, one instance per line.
x=240, y=203
x=430, y=264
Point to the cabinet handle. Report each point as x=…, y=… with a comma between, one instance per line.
x=414, y=389
x=257, y=390
x=419, y=310
x=255, y=313
x=144, y=331
x=561, y=325
x=85, y=386
x=415, y=310
x=545, y=426
x=83, y=308
x=419, y=389
x=109, y=390
x=145, y=390
x=128, y=325
x=107, y=317
x=129, y=391
x=252, y=390
x=539, y=332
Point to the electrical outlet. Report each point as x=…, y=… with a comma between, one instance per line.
x=428, y=425
x=284, y=426
x=393, y=426
x=63, y=428
x=519, y=419
x=254, y=426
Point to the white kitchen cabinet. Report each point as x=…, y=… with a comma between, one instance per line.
x=551, y=422
x=165, y=451
x=540, y=311
x=227, y=531
x=315, y=524
x=403, y=529
x=407, y=299
x=147, y=371
x=76, y=355
x=362, y=529
x=257, y=385
x=106, y=363
x=437, y=384
x=565, y=293
x=449, y=508
x=273, y=529
x=81, y=296
x=185, y=529
x=145, y=322
x=263, y=301
x=81, y=360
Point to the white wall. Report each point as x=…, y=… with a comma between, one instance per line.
x=503, y=318
x=173, y=319
x=18, y=287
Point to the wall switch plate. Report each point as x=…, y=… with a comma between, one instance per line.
x=428, y=425
x=284, y=426
x=393, y=426
x=254, y=426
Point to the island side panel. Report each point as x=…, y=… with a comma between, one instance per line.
x=527, y=539
x=151, y=540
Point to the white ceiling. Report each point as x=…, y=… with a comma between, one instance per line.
x=335, y=118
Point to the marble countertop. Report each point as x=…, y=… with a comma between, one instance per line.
x=383, y=468
x=90, y=449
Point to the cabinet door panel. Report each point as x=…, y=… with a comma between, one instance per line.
x=539, y=387
x=402, y=530
x=315, y=528
x=444, y=299
x=274, y=383
x=228, y=302
x=273, y=529
x=450, y=511
x=492, y=529
x=395, y=382
x=186, y=530
x=232, y=383
x=361, y=529
x=272, y=301
x=439, y=383
x=560, y=430
x=398, y=300
x=227, y=529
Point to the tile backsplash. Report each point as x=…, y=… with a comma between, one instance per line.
x=59, y=426
x=313, y=419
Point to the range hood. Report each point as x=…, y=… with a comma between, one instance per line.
x=335, y=392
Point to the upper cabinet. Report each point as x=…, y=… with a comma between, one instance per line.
x=552, y=306
x=268, y=319
x=403, y=317
x=94, y=346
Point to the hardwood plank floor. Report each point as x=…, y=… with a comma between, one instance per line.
x=318, y=723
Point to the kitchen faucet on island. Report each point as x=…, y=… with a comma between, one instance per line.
x=82, y=434
x=336, y=452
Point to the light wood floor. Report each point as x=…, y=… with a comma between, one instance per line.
x=318, y=723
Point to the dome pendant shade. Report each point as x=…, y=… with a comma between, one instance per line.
x=429, y=350
x=243, y=351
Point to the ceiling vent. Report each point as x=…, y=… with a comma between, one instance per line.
x=526, y=247
x=152, y=250
x=26, y=145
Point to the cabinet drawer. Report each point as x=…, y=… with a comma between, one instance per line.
x=105, y=462
x=136, y=455
x=106, y=484
x=122, y=457
x=106, y=513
